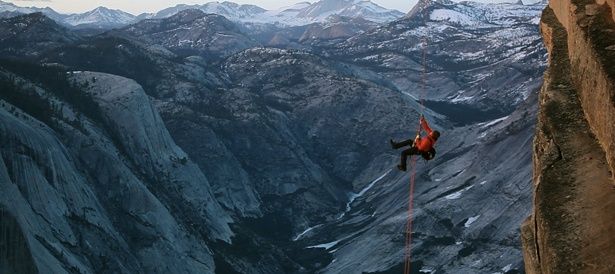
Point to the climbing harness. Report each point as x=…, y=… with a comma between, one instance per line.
x=408, y=243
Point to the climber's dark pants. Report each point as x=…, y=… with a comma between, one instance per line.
x=408, y=152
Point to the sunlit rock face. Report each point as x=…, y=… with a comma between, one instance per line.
x=569, y=229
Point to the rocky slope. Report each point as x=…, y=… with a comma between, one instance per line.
x=275, y=160
x=192, y=32
x=31, y=34
x=463, y=76
x=570, y=229
x=74, y=195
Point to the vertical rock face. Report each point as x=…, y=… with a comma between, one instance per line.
x=111, y=194
x=571, y=229
x=18, y=258
x=591, y=38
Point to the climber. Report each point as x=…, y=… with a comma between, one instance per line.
x=423, y=146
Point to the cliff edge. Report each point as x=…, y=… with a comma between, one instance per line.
x=571, y=229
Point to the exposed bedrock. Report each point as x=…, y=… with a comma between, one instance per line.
x=571, y=229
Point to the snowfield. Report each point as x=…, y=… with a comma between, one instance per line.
x=453, y=17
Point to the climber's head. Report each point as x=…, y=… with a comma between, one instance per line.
x=435, y=135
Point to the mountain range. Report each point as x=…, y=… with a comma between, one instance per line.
x=299, y=14
x=196, y=143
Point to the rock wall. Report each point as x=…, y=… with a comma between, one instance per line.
x=16, y=259
x=591, y=38
x=571, y=229
x=102, y=196
x=611, y=4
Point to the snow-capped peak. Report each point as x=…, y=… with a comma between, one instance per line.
x=350, y=8
x=101, y=16
x=10, y=7
x=523, y=2
x=230, y=10
x=295, y=7
x=301, y=13
x=304, y=13
x=4, y=6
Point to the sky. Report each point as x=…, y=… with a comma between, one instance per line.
x=139, y=6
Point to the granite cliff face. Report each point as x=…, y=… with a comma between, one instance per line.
x=70, y=188
x=571, y=229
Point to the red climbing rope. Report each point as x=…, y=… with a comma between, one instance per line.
x=408, y=248
x=410, y=216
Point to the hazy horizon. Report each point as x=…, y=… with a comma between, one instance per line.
x=72, y=6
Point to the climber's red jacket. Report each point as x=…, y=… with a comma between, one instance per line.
x=426, y=143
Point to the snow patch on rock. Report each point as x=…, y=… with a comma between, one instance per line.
x=471, y=220
x=457, y=194
x=326, y=246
